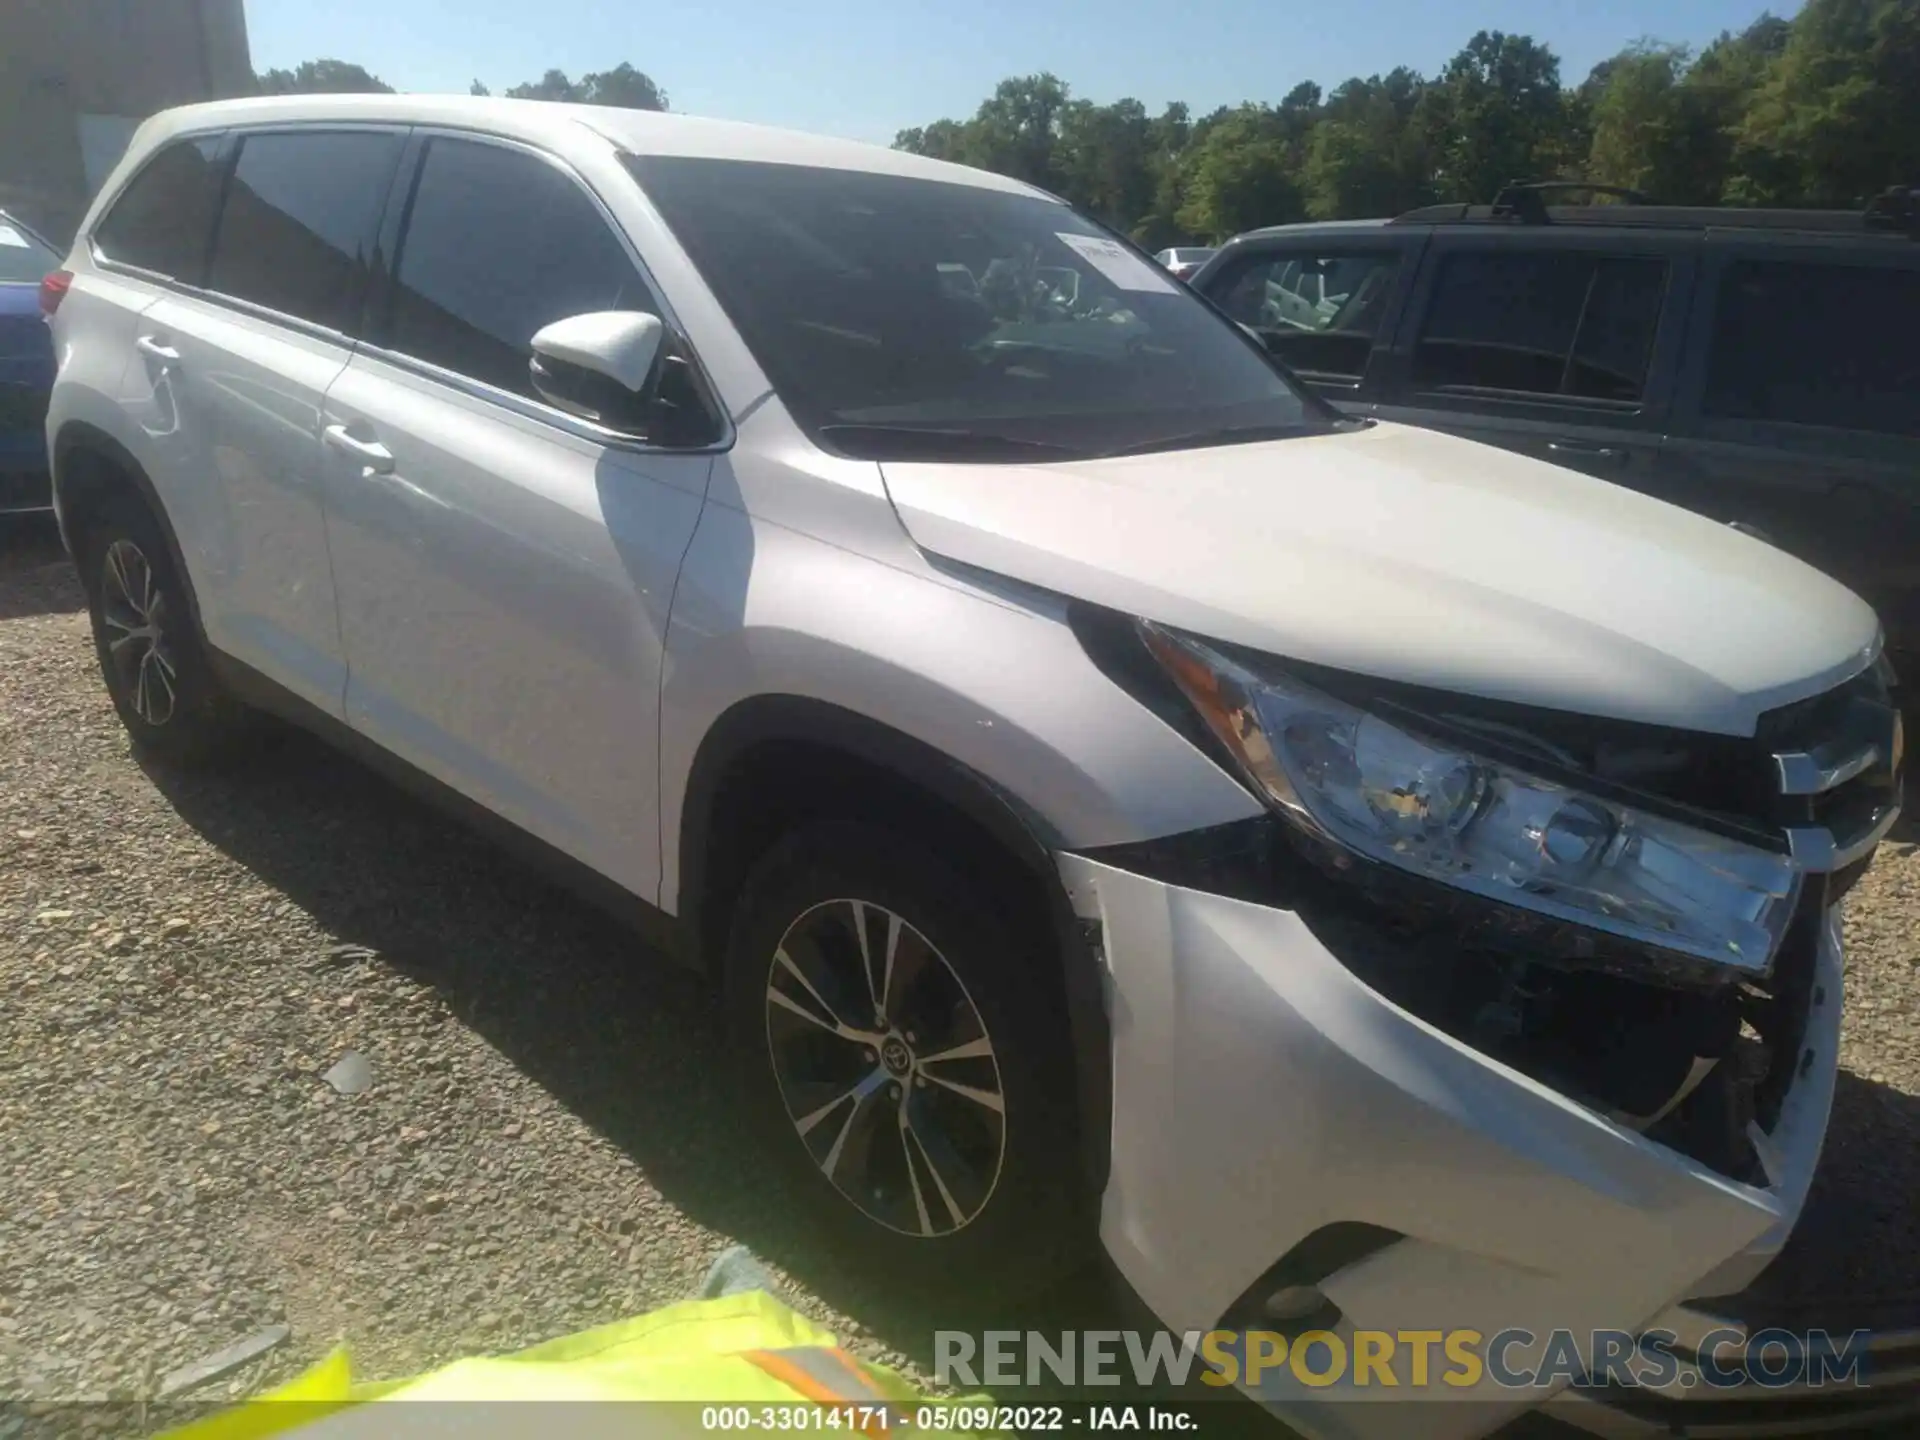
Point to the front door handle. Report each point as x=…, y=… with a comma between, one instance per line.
x=377, y=459
x=1574, y=450
x=155, y=350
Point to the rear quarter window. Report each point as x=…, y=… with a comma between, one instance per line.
x=163, y=220
x=1807, y=343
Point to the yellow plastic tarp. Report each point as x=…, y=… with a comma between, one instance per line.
x=690, y=1352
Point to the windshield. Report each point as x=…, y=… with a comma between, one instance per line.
x=900, y=317
x=23, y=259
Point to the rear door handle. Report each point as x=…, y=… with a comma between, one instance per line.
x=1574, y=450
x=154, y=349
x=370, y=453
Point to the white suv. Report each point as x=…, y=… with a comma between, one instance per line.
x=1367, y=878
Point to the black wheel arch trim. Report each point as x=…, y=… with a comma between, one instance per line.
x=77, y=437
x=1316, y=1257
x=767, y=719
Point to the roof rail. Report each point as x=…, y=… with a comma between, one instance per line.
x=1523, y=200
x=1891, y=215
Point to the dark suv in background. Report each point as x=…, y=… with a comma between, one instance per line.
x=1759, y=366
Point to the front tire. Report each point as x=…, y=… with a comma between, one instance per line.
x=150, y=653
x=906, y=1060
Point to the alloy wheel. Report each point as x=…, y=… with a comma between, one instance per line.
x=886, y=1068
x=134, y=608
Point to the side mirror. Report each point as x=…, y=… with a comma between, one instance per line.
x=599, y=366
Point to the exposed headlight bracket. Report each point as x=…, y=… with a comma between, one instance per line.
x=1406, y=796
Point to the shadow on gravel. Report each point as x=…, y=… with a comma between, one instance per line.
x=1906, y=830
x=631, y=1044
x=36, y=578
x=623, y=1038
x=1851, y=1263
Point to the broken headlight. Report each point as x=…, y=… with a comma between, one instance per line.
x=1439, y=811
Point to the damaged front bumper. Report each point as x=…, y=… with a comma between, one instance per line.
x=1279, y=1123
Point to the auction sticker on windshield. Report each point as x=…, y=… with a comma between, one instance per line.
x=1117, y=263
x=11, y=236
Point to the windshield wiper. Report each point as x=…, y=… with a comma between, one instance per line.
x=931, y=442
x=1218, y=435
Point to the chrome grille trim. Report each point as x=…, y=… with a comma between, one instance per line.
x=1868, y=734
x=1814, y=847
x=1848, y=777
x=1817, y=771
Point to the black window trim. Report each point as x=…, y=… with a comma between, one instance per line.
x=1680, y=256
x=378, y=309
x=1727, y=248
x=231, y=138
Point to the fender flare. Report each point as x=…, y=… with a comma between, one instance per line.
x=79, y=437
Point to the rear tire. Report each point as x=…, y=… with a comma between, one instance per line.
x=150, y=652
x=913, y=1094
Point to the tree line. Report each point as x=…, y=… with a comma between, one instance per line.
x=623, y=85
x=1821, y=110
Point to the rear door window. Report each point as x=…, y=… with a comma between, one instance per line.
x=1320, y=313
x=297, y=229
x=163, y=219
x=498, y=245
x=1557, y=323
x=1804, y=343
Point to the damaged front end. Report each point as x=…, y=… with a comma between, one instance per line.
x=1628, y=914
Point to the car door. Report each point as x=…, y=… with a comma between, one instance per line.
x=231, y=376
x=504, y=568
x=1560, y=345
x=1799, y=407
x=1321, y=305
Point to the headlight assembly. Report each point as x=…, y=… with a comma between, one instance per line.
x=1439, y=811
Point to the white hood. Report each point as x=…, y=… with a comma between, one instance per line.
x=1415, y=556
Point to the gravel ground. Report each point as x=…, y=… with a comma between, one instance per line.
x=545, y=1144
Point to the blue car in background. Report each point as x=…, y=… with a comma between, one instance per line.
x=26, y=368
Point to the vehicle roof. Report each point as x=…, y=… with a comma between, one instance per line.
x=1482, y=219
x=7, y=217
x=1309, y=227
x=1479, y=219
x=639, y=132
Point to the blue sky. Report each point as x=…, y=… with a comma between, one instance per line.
x=866, y=68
